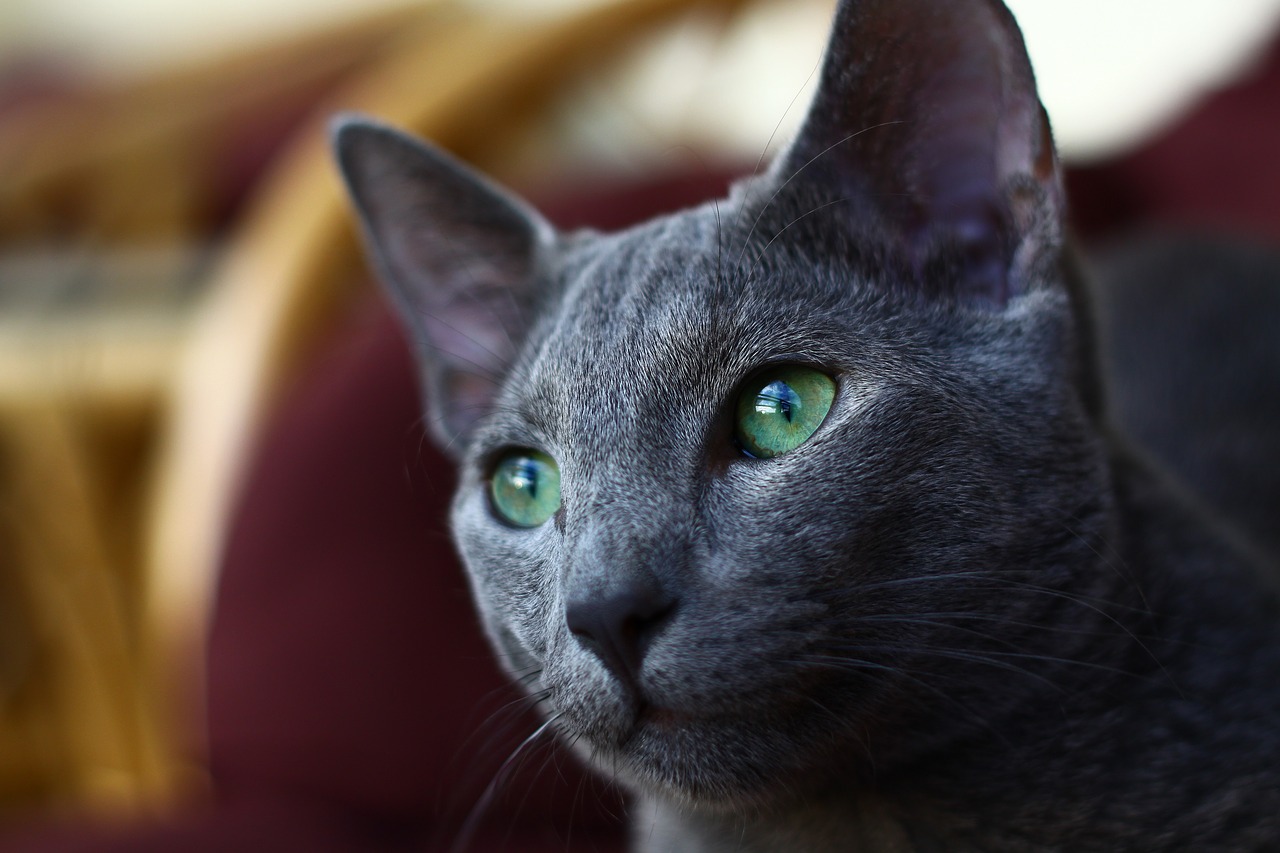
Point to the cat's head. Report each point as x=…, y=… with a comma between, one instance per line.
x=763, y=490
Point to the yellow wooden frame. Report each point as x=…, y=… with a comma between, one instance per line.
x=119, y=621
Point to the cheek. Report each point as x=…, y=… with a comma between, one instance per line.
x=781, y=525
x=508, y=570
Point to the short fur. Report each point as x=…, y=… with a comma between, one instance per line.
x=963, y=615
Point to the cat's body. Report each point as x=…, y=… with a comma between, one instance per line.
x=1191, y=355
x=959, y=613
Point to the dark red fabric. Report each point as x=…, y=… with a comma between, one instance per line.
x=345, y=664
x=353, y=705
x=1216, y=169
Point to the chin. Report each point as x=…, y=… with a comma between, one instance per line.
x=720, y=764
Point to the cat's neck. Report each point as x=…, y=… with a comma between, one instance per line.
x=1046, y=769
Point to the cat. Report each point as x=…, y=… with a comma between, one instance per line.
x=802, y=514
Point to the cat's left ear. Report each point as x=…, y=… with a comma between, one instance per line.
x=459, y=256
x=927, y=118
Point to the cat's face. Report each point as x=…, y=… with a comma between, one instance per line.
x=760, y=492
x=793, y=589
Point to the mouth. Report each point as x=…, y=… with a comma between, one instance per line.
x=661, y=718
x=709, y=754
x=713, y=761
x=653, y=724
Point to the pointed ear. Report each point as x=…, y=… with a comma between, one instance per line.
x=459, y=256
x=927, y=117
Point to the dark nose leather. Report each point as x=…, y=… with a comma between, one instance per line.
x=619, y=626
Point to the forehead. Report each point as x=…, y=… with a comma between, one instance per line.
x=650, y=331
x=682, y=285
x=642, y=323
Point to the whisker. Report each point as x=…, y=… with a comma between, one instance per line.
x=842, y=662
x=986, y=657
x=773, y=134
x=1109, y=563
x=997, y=577
x=939, y=617
x=747, y=241
x=802, y=216
x=551, y=749
x=472, y=823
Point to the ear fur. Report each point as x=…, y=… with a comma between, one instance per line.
x=927, y=116
x=459, y=256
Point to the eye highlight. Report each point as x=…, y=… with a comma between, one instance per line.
x=525, y=488
x=779, y=409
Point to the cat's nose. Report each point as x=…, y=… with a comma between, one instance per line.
x=619, y=625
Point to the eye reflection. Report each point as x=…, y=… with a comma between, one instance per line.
x=524, y=489
x=781, y=408
x=776, y=398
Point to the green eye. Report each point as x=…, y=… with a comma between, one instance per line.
x=779, y=409
x=525, y=488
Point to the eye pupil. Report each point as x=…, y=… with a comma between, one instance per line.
x=781, y=408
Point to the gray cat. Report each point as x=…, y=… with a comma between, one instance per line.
x=802, y=514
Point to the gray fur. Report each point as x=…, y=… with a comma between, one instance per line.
x=962, y=616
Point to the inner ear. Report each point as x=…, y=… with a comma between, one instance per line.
x=459, y=256
x=927, y=117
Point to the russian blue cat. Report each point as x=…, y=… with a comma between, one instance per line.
x=803, y=514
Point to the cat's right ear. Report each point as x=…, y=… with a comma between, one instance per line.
x=927, y=120
x=459, y=256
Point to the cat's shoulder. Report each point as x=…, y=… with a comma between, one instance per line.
x=1190, y=344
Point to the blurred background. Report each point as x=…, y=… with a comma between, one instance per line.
x=174, y=249
x=1108, y=71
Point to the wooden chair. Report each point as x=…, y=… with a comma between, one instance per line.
x=123, y=438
